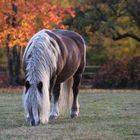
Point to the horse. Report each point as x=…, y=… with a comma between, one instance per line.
x=53, y=62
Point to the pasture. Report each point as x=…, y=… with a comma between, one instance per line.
x=104, y=115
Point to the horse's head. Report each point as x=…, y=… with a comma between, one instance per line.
x=32, y=99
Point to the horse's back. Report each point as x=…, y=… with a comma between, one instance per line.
x=69, y=33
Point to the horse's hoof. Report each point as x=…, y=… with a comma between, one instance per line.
x=53, y=117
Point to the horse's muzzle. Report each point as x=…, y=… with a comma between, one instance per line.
x=31, y=119
x=33, y=123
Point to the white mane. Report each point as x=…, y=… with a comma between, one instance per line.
x=40, y=57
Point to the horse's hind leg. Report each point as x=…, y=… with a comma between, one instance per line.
x=55, y=110
x=75, y=105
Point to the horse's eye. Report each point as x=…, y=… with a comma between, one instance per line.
x=39, y=86
x=27, y=85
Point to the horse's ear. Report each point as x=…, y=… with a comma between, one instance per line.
x=39, y=86
x=27, y=85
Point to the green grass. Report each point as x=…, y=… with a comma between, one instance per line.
x=112, y=115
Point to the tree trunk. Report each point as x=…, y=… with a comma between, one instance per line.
x=16, y=64
x=13, y=54
x=9, y=62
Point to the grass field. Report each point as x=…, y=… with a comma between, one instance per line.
x=106, y=115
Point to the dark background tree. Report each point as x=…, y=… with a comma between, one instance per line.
x=111, y=28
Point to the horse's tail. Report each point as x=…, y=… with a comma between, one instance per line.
x=66, y=96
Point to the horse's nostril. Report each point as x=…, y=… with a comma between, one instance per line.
x=33, y=122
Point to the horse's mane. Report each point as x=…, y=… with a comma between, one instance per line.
x=41, y=56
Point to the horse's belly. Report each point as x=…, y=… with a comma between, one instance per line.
x=66, y=73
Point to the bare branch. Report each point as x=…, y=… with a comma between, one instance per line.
x=122, y=36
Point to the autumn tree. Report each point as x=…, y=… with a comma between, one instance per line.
x=19, y=20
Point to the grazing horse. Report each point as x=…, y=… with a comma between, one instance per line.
x=53, y=63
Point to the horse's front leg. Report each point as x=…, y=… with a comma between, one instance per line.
x=55, y=109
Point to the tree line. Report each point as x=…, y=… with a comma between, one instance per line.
x=111, y=28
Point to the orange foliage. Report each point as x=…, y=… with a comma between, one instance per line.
x=20, y=19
